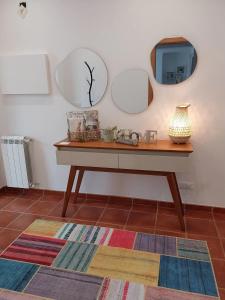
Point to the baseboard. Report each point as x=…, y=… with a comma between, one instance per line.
x=111, y=198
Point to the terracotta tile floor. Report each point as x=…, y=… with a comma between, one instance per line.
x=18, y=210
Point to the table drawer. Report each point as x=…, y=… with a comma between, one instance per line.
x=150, y=162
x=87, y=159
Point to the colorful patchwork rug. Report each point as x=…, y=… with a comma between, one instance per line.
x=65, y=261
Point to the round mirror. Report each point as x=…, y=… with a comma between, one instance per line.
x=173, y=60
x=132, y=91
x=82, y=78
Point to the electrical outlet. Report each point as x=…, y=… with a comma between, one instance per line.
x=35, y=185
x=186, y=185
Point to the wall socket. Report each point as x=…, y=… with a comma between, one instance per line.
x=186, y=185
x=35, y=185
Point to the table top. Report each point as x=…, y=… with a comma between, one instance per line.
x=161, y=146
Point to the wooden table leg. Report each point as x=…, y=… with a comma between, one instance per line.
x=79, y=181
x=70, y=182
x=172, y=180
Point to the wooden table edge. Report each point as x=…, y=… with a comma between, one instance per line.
x=99, y=145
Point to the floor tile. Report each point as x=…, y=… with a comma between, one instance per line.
x=79, y=199
x=219, y=267
x=7, y=217
x=140, y=229
x=32, y=193
x=12, y=192
x=120, y=203
x=166, y=211
x=118, y=226
x=15, y=275
x=219, y=214
x=57, y=219
x=70, y=212
x=168, y=222
x=23, y=221
x=141, y=219
x=214, y=244
x=52, y=196
x=34, y=249
x=96, y=200
x=144, y=208
x=201, y=226
x=223, y=243
x=114, y=216
x=198, y=213
x=170, y=233
x=84, y=222
x=62, y=284
x=166, y=204
x=221, y=228
x=42, y=207
x=222, y=294
x=145, y=202
x=7, y=236
x=89, y=213
x=124, y=264
x=20, y=204
x=187, y=275
x=5, y=200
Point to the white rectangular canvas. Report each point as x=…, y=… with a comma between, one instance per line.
x=24, y=74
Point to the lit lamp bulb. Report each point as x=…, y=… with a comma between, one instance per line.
x=180, y=126
x=22, y=10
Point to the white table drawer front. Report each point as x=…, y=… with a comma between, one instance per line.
x=167, y=163
x=87, y=159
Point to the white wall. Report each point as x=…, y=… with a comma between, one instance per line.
x=2, y=177
x=123, y=32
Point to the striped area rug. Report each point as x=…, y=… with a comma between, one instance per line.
x=66, y=261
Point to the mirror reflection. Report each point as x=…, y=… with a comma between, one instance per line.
x=82, y=78
x=173, y=60
x=132, y=91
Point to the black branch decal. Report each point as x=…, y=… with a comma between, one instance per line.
x=24, y=4
x=90, y=82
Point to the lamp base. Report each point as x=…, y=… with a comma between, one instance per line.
x=179, y=139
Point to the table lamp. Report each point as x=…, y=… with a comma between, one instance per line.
x=180, y=126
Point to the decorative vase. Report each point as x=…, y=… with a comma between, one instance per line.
x=180, y=127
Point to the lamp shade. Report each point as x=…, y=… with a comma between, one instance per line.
x=180, y=126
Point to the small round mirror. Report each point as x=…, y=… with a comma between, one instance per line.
x=132, y=91
x=173, y=60
x=82, y=78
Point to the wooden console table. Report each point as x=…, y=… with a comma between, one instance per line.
x=161, y=159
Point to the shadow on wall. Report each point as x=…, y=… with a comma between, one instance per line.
x=38, y=163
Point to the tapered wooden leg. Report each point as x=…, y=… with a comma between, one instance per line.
x=70, y=182
x=172, y=180
x=79, y=181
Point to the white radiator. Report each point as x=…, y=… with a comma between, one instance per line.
x=16, y=161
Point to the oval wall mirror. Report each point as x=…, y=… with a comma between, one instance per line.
x=132, y=91
x=173, y=60
x=82, y=78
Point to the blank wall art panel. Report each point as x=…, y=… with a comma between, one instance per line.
x=24, y=74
